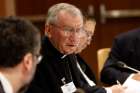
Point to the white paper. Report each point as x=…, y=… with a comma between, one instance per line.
x=133, y=86
x=68, y=88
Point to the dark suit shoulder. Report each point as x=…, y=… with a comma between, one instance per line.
x=129, y=35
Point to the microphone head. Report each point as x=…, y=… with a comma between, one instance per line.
x=121, y=64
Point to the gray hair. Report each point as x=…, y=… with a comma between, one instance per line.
x=55, y=9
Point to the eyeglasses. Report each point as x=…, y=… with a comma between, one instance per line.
x=69, y=30
x=39, y=58
x=89, y=33
x=89, y=36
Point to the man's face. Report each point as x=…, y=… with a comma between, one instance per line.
x=85, y=39
x=65, y=35
x=36, y=58
x=30, y=66
x=89, y=27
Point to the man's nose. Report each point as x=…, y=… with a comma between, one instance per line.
x=75, y=37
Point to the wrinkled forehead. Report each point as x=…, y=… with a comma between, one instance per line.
x=67, y=19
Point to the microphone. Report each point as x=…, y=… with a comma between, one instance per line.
x=123, y=65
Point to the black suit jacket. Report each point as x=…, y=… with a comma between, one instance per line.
x=51, y=70
x=126, y=48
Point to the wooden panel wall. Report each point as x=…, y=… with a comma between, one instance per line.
x=2, y=8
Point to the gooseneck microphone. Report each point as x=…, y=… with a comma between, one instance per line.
x=123, y=65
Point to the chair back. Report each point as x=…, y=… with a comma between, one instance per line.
x=102, y=55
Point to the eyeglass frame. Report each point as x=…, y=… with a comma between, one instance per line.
x=39, y=58
x=70, y=29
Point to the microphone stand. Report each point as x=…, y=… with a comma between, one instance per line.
x=122, y=64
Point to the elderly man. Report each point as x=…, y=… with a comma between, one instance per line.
x=19, y=46
x=60, y=71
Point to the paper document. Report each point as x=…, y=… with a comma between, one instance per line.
x=133, y=86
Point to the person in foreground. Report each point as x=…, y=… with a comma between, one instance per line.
x=19, y=46
x=60, y=70
x=126, y=49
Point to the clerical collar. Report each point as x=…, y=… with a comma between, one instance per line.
x=6, y=84
x=63, y=56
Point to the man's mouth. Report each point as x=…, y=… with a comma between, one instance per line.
x=73, y=45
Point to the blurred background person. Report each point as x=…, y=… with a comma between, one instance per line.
x=85, y=39
x=126, y=48
x=89, y=27
x=19, y=46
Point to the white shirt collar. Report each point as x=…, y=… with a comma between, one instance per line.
x=6, y=84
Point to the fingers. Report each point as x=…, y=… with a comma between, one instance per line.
x=136, y=76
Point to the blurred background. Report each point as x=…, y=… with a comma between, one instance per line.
x=112, y=16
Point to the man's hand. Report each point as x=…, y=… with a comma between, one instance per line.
x=136, y=76
x=117, y=89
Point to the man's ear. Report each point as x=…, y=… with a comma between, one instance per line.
x=28, y=62
x=48, y=30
